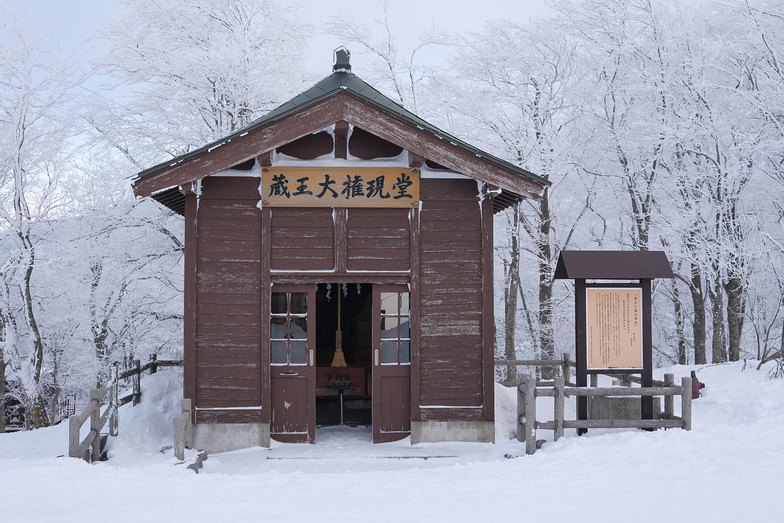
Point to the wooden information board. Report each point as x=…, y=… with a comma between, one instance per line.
x=614, y=329
x=340, y=187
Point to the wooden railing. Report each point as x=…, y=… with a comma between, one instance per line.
x=89, y=448
x=136, y=371
x=77, y=449
x=527, y=392
x=564, y=364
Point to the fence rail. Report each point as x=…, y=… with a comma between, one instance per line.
x=89, y=448
x=77, y=449
x=527, y=392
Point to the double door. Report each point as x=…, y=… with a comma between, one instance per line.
x=293, y=371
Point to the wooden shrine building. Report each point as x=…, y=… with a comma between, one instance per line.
x=338, y=222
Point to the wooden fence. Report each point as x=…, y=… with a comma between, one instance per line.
x=77, y=449
x=89, y=448
x=528, y=391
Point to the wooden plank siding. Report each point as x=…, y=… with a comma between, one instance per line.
x=378, y=240
x=228, y=301
x=450, y=313
x=302, y=239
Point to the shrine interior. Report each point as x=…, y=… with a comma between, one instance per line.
x=351, y=305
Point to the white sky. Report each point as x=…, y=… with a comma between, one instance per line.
x=78, y=18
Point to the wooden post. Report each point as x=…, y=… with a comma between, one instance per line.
x=669, y=400
x=154, y=366
x=567, y=371
x=646, y=402
x=558, y=401
x=526, y=412
x=73, y=436
x=95, y=420
x=581, y=347
x=137, y=384
x=686, y=403
x=114, y=402
x=520, y=407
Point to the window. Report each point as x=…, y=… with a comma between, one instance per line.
x=395, y=328
x=289, y=328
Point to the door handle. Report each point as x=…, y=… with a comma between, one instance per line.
x=376, y=357
x=289, y=373
x=311, y=357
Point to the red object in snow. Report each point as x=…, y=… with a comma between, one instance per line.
x=696, y=385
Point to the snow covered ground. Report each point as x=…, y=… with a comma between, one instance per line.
x=729, y=468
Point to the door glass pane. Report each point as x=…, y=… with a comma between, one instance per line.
x=404, y=328
x=279, y=303
x=389, y=303
x=278, y=352
x=278, y=330
x=299, y=353
x=405, y=352
x=299, y=303
x=388, y=352
x=299, y=328
x=389, y=328
x=405, y=305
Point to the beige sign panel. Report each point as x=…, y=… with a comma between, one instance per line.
x=614, y=328
x=340, y=187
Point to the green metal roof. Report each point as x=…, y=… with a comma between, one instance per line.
x=336, y=82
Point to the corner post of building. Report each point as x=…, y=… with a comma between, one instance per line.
x=488, y=322
x=264, y=304
x=647, y=348
x=580, y=342
x=416, y=399
x=189, y=305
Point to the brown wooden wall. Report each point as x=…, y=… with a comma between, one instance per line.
x=451, y=290
x=228, y=299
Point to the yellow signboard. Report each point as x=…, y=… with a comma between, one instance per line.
x=339, y=187
x=614, y=328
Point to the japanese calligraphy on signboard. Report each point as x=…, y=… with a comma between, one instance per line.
x=340, y=187
x=614, y=328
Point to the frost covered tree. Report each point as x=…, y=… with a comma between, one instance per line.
x=394, y=68
x=186, y=72
x=37, y=92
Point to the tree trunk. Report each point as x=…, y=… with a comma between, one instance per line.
x=510, y=307
x=718, y=346
x=698, y=328
x=735, y=312
x=546, y=338
x=2, y=392
x=679, y=324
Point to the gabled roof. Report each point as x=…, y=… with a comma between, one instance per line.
x=342, y=96
x=612, y=265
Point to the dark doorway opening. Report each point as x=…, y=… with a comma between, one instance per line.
x=352, y=303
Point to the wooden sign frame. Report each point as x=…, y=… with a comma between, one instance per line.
x=340, y=187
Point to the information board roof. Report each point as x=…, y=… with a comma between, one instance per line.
x=612, y=265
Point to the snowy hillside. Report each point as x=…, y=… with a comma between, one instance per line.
x=729, y=468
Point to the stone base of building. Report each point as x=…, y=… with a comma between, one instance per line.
x=437, y=431
x=225, y=437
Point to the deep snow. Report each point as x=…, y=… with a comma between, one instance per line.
x=730, y=467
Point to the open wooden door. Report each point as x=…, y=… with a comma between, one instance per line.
x=391, y=363
x=292, y=362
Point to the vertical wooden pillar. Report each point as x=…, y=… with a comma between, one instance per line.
x=581, y=346
x=340, y=216
x=488, y=323
x=647, y=348
x=189, y=305
x=416, y=400
x=265, y=290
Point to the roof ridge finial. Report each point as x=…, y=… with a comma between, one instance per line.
x=342, y=60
